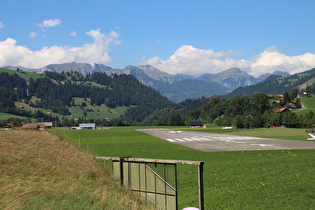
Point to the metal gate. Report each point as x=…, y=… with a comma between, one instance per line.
x=153, y=179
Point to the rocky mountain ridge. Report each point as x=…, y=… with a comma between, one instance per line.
x=176, y=87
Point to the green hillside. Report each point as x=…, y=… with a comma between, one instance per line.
x=23, y=74
x=309, y=103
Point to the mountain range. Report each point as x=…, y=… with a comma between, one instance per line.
x=176, y=87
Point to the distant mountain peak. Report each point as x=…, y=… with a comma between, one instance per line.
x=157, y=74
x=283, y=73
x=265, y=76
x=231, y=78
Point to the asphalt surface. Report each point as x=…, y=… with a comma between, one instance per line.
x=212, y=142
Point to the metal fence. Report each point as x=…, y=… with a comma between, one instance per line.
x=153, y=179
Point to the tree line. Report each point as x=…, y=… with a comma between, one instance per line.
x=238, y=111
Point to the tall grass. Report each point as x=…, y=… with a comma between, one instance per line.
x=39, y=170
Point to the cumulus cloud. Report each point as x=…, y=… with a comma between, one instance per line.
x=271, y=60
x=190, y=60
x=1, y=25
x=49, y=23
x=12, y=54
x=73, y=33
x=32, y=35
x=194, y=61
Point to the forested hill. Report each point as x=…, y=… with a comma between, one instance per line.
x=56, y=92
x=276, y=84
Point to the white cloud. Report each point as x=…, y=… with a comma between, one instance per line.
x=270, y=61
x=32, y=35
x=1, y=25
x=12, y=54
x=194, y=61
x=73, y=33
x=190, y=60
x=49, y=23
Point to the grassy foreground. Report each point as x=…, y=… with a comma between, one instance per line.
x=39, y=170
x=283, y=179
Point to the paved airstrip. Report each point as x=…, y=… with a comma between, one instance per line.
x=212, y=142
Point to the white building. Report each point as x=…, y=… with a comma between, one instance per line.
x=87, y=126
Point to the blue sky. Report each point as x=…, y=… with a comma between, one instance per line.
x=190, y=37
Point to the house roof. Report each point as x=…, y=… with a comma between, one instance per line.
x=195, y=123
x=281, y=110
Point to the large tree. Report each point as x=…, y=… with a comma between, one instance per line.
x=261, y=103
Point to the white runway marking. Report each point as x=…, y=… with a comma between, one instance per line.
x=229, y=139
x=262, y=145
x=153, y=129
x=203, y=139
x=187, y=139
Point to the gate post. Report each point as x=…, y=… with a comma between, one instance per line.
x=201, y=188
x=121, y=165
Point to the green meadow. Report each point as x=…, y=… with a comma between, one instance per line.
x=4, y=116
x=26, y=75
x=309, y=103
x=281, y=179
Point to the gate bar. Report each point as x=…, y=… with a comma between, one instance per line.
x=144, y=160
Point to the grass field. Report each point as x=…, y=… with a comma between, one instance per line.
x=233, y=180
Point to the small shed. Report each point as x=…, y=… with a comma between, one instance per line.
x=193, y=124
x=48, y=125
x=87, y=126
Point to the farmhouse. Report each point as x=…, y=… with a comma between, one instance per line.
x=87, y=126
